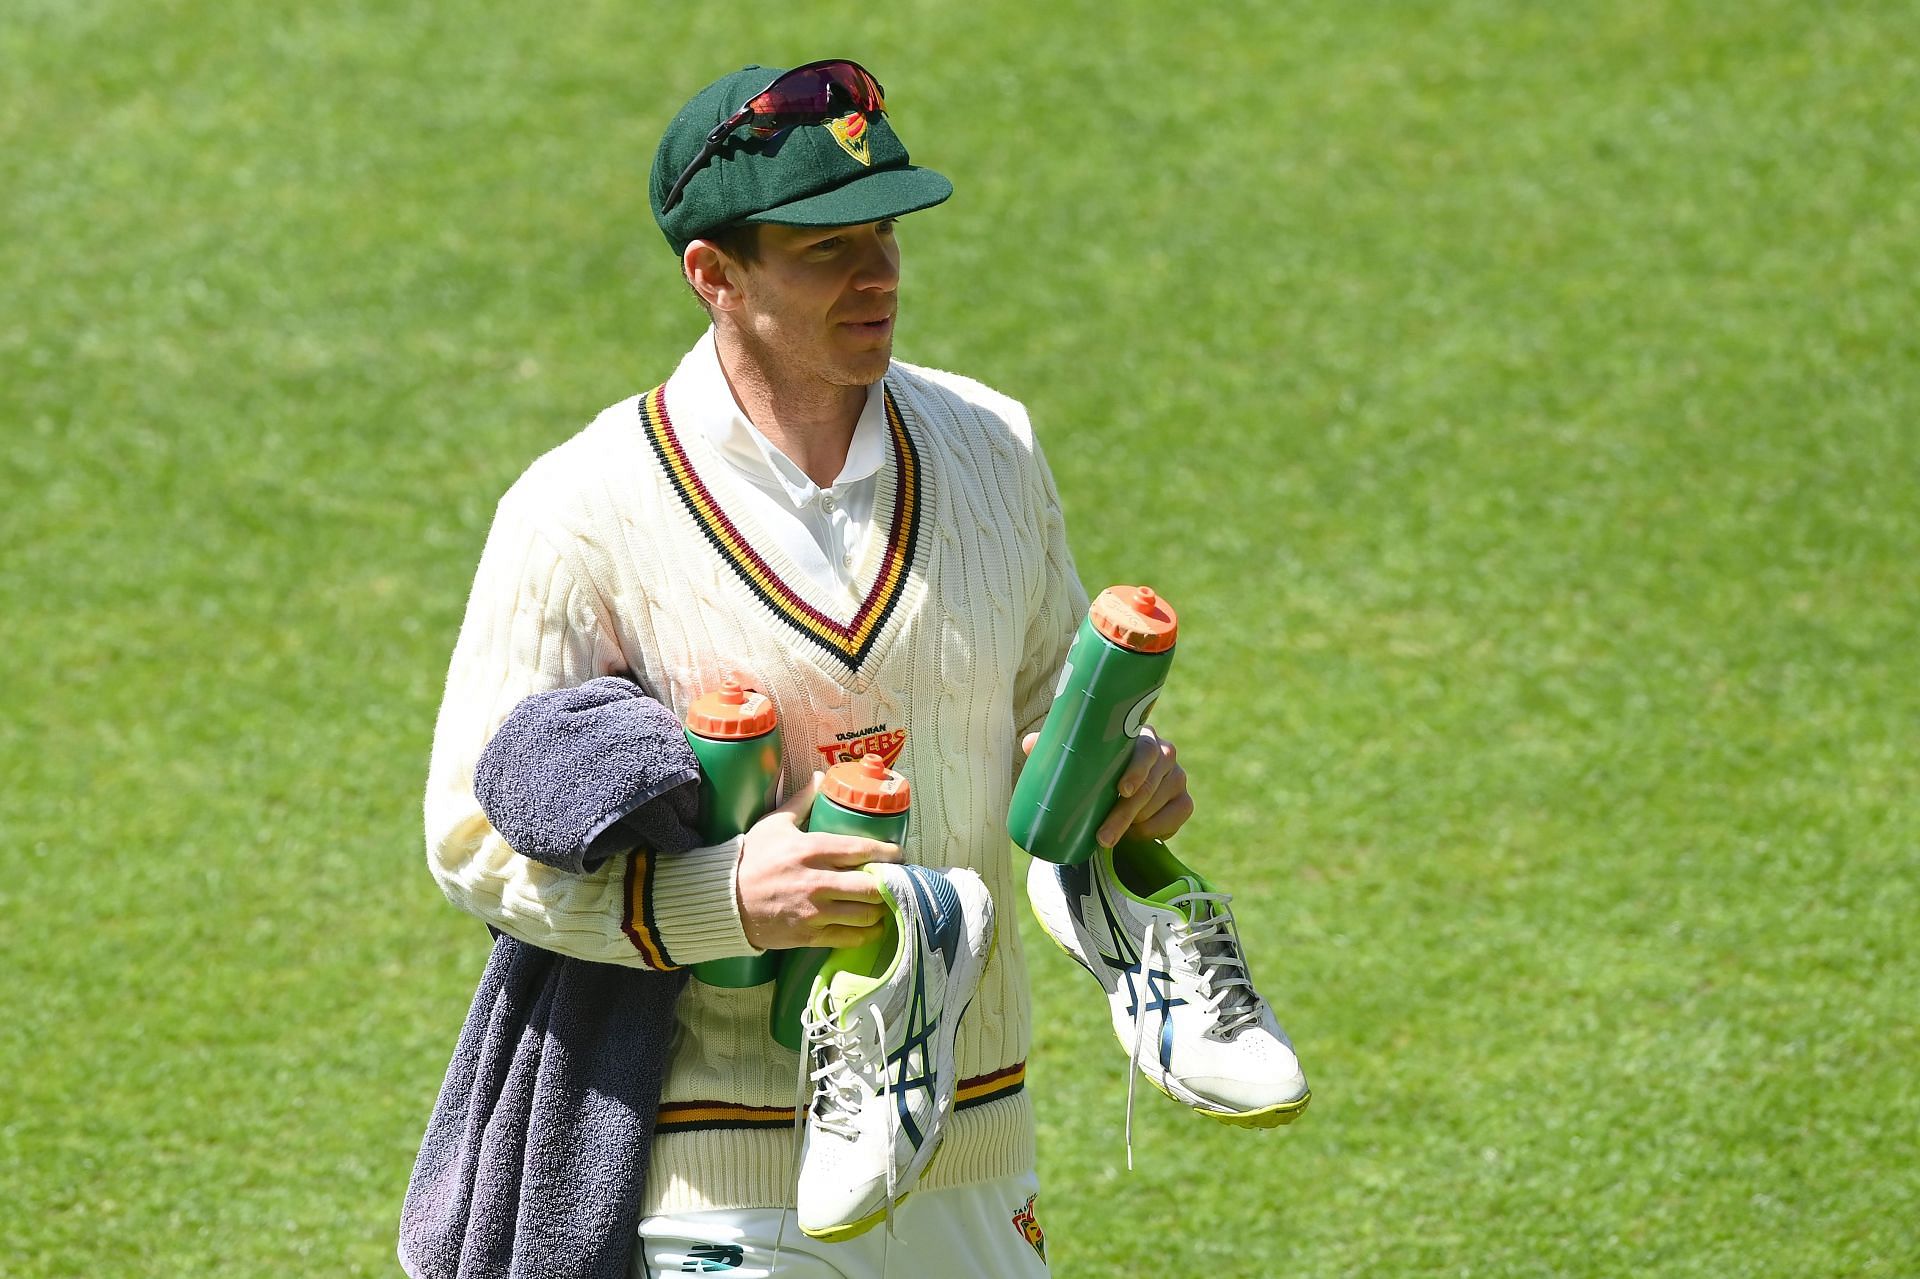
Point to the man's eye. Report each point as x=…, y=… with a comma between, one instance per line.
x=831, y=242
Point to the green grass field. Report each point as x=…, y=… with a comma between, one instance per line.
x=1518, y=402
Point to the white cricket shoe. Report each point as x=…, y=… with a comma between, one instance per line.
x=1161, y=940
x=879, y=1035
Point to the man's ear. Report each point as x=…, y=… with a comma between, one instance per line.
x=713, y=275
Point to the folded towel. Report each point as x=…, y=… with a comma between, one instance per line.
x=570, y=779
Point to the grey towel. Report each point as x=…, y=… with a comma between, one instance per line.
x=534, y=1161
x=570, y=778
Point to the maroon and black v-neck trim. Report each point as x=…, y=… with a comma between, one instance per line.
x=849, y=641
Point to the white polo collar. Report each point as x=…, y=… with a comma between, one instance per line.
x=700, y=400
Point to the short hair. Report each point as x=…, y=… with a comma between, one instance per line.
x=739, y=241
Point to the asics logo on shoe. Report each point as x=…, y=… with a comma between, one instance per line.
x=1162, y=1003
x=942, y=925
x=918, y=1041
x=706, y=1258
x=1079, y=881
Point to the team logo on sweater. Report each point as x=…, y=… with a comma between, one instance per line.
x=877, y=740
x=850, y=131
x=1029, y=1227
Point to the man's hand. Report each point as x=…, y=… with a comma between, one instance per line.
x=1153, y=794
x=799, y=888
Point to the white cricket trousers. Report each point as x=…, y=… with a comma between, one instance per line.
x=986, y=1229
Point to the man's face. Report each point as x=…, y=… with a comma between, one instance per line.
x=819, y=304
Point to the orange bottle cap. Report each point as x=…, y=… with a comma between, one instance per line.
x=1135, y=618
x=733, y=713
x=867, y=785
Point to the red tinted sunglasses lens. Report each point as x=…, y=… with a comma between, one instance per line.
x=807, y=94
x=804, y=95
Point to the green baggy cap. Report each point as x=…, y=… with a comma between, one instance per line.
x=838, y=173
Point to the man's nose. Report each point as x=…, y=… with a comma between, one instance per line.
x=879, y=266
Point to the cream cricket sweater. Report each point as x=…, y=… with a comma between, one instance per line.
x=624, y=550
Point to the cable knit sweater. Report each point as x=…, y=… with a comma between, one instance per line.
x=618, y=551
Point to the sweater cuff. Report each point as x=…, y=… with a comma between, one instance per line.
x=696, y=906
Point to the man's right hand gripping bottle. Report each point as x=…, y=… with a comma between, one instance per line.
x=1156, y=934
x=858, y=797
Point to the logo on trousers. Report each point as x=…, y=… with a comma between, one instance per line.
x=1029, y=1227
x=705, y=1258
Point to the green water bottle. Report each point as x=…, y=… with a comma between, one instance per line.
x=860, y=797
x=1119, y=660
x=735, y=735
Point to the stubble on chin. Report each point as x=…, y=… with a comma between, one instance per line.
x=871, y=367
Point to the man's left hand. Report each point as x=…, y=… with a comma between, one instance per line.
x=1153, y=799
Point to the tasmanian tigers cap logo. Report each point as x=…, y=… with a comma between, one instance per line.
x=850, y=131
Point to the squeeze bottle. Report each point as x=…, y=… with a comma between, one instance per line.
x=860, y=797
x=1115, y=668
x=735, y=735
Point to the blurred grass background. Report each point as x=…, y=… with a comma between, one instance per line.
x=1516, y=400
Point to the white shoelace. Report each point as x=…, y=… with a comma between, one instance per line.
x=1212, y=947
x=839, y=1087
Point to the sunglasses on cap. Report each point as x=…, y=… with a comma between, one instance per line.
x=811, y=94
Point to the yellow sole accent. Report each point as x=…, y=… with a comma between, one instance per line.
x=853, y=1230
x=1271, y=1117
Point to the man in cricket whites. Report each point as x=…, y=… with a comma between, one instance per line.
x=881, y=545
